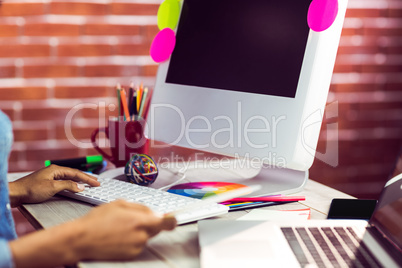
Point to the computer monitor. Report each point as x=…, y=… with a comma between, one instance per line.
x=247, y=79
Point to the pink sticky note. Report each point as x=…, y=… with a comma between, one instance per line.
x=321, y=14
x=162, y=45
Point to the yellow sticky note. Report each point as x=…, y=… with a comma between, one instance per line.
x=168, y=14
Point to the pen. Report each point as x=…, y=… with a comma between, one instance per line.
x=134, y=105
x=215, y=199
x=76, y=162
x=248, y=202
x=268, y=199
x=256, y=205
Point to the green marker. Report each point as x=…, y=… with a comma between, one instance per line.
x=77, y=162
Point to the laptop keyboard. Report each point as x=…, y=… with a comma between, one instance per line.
x=157, y=200
x=328, y=247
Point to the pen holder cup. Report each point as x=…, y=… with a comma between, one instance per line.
x=126, y=138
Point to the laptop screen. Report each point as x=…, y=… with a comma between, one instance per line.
x=388, y=215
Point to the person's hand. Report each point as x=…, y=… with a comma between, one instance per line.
x=46, y=182
x=114, y=231
x=118, y=230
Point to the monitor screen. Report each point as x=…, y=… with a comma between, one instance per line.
x=248, y=46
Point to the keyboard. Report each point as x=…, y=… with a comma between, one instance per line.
x=157, y=200
x=329, y=247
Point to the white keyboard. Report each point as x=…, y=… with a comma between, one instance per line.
x=157, y=200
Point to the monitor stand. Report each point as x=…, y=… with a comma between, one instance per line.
x=273, y=180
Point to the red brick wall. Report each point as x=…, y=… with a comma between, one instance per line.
x=55, y=55
x=367, y=86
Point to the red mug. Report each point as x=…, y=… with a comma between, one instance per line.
x=126, y=138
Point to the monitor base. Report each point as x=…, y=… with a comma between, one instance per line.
x=273, y=180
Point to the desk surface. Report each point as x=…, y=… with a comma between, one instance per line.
x=178, y=248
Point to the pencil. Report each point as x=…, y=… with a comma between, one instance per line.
x=118, y=100
x=147, y=105
x=139, y=96
x=144, y=97
x=256, y=205
x=124, y=104
x=130, y=99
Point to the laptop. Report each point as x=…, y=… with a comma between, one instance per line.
x=312, y=243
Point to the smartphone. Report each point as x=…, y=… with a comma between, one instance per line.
x=361, y=209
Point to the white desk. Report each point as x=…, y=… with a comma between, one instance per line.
x=178, y=248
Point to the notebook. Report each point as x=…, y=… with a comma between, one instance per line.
x=312, y=243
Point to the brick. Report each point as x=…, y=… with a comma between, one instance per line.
x=50, y=114
x=7, y=72
x=26, y=93
x=375, y=105
x=381, y=68
x=51, y=29
x=9, y=30
x=134, y=9
x=110, y=29
x=52, y=153
x=84, y=50
x=393, y=86
x=361, y=49
x=83, y=92
x=79, y=133
x=22, y=9
x=149, y=70
x=347, y=68
x=362, y=13
x=351, y=31
x=76, y=8
x=357, y=87
x=30, y=134
x=110, y=70
x=96, y=113
x=8, y=112
x=19, y=50
x=394, y=13
x=394, y=50
x=132, y=49
x=32, y=71
x=149, y=31
x=383, y=31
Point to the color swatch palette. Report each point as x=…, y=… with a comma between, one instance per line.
x=202, y=190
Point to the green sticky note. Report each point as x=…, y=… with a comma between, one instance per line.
x=168, y=14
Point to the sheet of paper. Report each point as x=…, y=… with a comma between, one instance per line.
x=276, y=215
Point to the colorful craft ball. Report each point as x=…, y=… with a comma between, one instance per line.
x=141, y=169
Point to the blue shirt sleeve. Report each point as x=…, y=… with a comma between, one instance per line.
x=6, y=260
x=7, y=230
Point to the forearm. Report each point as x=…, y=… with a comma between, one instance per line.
x=52, y=247
x=16, y=193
